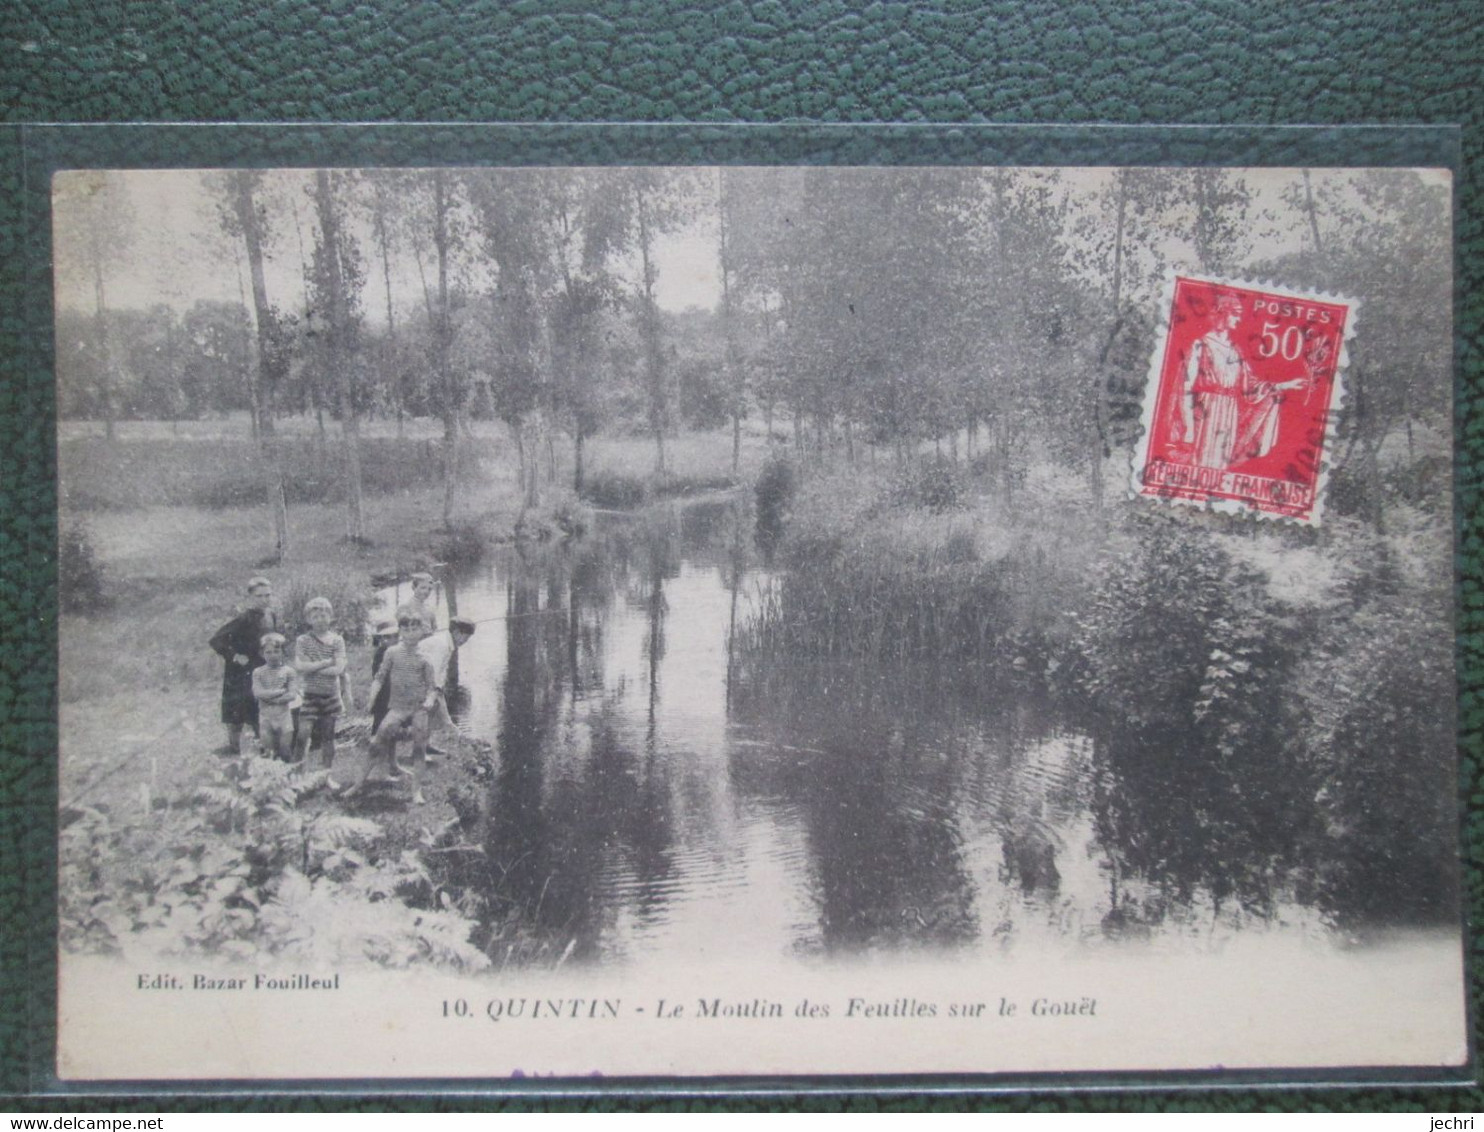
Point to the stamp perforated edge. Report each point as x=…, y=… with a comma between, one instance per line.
x=1152, y=377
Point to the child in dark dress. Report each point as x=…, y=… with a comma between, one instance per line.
x=239, y=644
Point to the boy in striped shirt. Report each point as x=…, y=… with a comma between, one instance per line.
x=319, y=659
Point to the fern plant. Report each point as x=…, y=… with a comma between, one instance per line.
x=242, y=870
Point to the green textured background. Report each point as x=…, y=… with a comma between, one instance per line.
x=1132, y=62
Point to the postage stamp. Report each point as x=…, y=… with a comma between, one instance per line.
x=1241, y=399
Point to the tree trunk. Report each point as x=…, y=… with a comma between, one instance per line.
x=450, y=465
x=247, y=216
x=521, y=475
x=1099, y=407
x=105, y=345
x=649, y=329
x=533, y=465
x=1313, y=214
x=1002, y=457
x=577, y=444
x=355, y=522
x=442, y=332
x=337, y=348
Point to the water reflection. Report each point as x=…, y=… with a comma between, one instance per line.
x=657, y=791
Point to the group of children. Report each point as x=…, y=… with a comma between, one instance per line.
x=294, y=708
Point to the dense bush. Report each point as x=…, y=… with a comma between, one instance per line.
x=937, y=485
x=776, y=485
x=1186, y=665
x=463, y=544
x=614, y=491
x=352, y=603
x=1377, y=683
x=692, y=483
x=80, y=579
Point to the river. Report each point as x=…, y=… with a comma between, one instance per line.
x=655, y=791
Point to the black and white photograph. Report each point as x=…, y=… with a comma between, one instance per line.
x=706, y=622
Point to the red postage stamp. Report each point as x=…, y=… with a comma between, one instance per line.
x=1241, y=399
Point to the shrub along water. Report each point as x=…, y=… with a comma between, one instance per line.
x=614, y=491
x=776, y=486
x=1182, y=666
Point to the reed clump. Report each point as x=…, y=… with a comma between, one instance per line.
x=861, y=574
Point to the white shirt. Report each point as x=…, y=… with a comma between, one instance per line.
x=439, y=650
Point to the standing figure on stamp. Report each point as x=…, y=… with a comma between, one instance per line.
x=1228, y=414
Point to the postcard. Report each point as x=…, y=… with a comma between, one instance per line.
x=771, y=624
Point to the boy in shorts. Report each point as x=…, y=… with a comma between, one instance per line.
x=319, y=658
x=275, y=685
x=413, y=692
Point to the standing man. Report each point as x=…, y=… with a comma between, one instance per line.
x=439, y=649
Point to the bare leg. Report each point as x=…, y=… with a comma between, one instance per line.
x=330, y=755
x=277, y=741
x=382, y=752
x=419, y=757
x=321, y=741
x=234, y=738
x=379, y=742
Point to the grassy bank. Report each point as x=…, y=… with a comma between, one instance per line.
x=619, y=472
x=98, y=475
